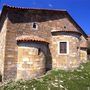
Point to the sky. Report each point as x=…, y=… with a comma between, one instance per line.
x=78, y=9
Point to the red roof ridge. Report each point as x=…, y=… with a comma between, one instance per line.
x=16, y=7
x=84, y=44
x=30, y=38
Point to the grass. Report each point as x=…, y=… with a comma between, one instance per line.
x=78, y=79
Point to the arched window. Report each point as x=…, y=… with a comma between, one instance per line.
x=34, y=26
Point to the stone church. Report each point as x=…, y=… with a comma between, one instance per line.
x=33, y=41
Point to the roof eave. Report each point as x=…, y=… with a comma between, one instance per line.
x=3, y=14
x=6, y=7
x=70, y=17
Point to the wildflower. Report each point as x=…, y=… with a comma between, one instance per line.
x=61, y=86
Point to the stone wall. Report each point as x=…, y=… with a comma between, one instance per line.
x=65, y=61
x=83, y=55
x=46, y=20
x=20, y=23
x=31, y=61
x=2, y=46
x=83, y=51
x=11, y=52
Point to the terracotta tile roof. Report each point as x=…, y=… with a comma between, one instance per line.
x=31, y=38
x=89, y=36
x=67, y=30
x=83, y=45
x=45, y=9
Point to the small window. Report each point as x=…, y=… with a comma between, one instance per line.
x=34, y=25
x=63, y=47
x=64, y=27
x=39, y=50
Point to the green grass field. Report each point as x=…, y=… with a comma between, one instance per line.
x=55, y=80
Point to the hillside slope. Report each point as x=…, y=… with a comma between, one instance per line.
x=55, y=80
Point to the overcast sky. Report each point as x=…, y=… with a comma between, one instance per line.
x=78, y=9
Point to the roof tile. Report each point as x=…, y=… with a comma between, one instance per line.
x=83, y=45
x=31, y=38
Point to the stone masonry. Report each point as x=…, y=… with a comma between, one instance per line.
x=30, y=58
